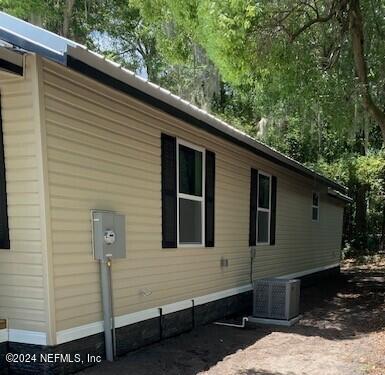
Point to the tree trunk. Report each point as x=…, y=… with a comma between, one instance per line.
x=361, y=230
x=35, y=19
x=347, y=231
x=357, y=34
x=382, y=242
x=67, y=14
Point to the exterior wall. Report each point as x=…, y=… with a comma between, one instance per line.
x=23, y=269
x=104, y=152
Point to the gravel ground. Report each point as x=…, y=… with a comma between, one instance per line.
x=342, y=332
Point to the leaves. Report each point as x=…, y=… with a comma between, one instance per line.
x=247, y=61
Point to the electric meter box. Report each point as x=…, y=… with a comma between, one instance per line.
x=108, y=234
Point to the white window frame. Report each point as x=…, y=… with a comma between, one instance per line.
x=313, y=206
x=188, y=196
x=263, y=210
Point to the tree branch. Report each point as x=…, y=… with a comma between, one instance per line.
x=335, y=8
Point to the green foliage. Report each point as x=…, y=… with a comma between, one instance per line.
x=361, y=173
x=301, y=78
x=352, y=169
x=236, y=58
x=50, y=14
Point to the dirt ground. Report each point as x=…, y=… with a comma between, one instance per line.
x=342, y=332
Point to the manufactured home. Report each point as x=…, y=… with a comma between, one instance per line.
x=207, y=209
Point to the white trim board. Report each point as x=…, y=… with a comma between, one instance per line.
x=27, y=337
x=40, y=338
x=3, y=335
x=79, y=332
x=308, y=272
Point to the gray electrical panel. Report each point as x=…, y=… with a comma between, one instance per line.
x=108, y=234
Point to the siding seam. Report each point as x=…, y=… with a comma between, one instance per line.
x=46, y=232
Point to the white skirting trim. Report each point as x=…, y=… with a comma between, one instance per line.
x=123, y=320
x=222, y=294
x=79, y=332
x=27, y=337
x=139, y=316
x=3, y=335
x=308, y=272
x=40, y=338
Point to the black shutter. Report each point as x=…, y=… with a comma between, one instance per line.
x=169, y=193
x=4, y=230
x=273, y=209
x=253, y=207
x=210, y=199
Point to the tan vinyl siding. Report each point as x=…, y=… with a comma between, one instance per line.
x=23, y=297
x=104, y=152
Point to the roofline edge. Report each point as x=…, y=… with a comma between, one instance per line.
x=98, y=75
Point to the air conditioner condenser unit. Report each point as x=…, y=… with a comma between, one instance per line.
x=276, y=301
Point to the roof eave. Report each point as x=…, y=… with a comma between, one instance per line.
x=31, y=38
x=338, y=195
x=97, y=67
x=11, y=62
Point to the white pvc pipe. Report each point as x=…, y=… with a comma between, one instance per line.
x=244, y=320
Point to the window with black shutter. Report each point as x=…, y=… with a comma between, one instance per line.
x=263, y=190
x=169, y=191
x=315, y=206
x=210, y=199
x=188, y=189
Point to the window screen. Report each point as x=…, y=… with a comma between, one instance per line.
x=263, y=226
x=315, y=206
x=190, y=171
x=190, y=221
x=263, y=209
x=190, y=195
x=263, y=191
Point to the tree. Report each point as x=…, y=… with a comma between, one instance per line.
x=345, y=15
x=298, y=56
x=64, y=17
x=305, y=76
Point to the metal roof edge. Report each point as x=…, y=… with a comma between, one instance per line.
x=34, y=39
x=90, y=63
x=337, y=194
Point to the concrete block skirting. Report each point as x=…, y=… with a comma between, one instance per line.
x=133, y=336
x=3, y=362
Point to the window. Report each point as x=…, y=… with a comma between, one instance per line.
x=263, y=208
x=315, y=206
x=190, y=199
